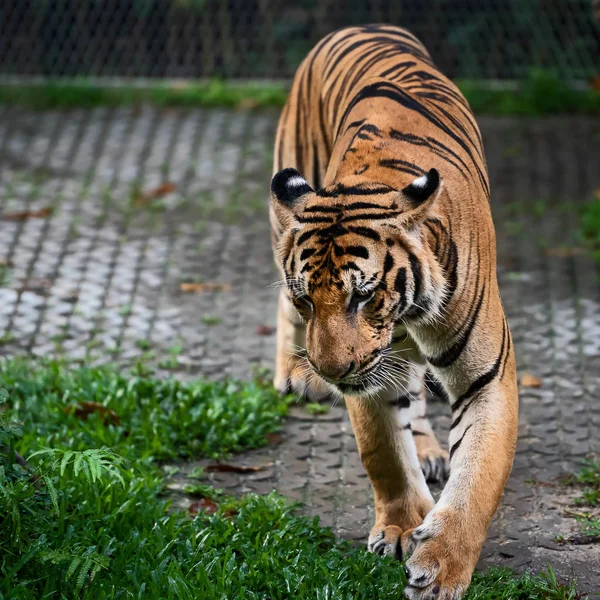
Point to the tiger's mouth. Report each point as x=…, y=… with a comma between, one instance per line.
x=364, y=383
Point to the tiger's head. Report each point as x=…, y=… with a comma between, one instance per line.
x=357, y=262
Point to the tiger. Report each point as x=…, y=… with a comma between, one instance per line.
x=382, y=231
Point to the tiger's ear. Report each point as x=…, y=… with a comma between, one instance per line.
x=420, y=195
x=288, y=194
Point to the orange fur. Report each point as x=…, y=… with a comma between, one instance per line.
x=386, y=243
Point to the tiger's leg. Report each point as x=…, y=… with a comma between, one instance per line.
x=433, y=459
x=388, y=453
x=481, y=385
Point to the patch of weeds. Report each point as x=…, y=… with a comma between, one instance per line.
x=169, y=364
x=203, y=491
x=176, y=350
x=143, y=344
x=211, y=320
x=4, y=275
x=6, y=338
x=198, y=473
x=59, y=338
x=588, y=480
x=314, y=408
x=163, y=419
x=125, y=310
x=542, y=92
x=93, y=344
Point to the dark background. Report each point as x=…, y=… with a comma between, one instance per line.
x=489, y=39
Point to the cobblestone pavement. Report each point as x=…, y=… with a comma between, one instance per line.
x=95, y=244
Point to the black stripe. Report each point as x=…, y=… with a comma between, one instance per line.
x=457, y=444
x=351, y=266
x=355, y=124
x=371, y=217
x=483, y=380
x=400, y=287
x=361, y=205
x=307, y=253
x=401, y=165
x=388, y=264
x=366, y=232
x=314, y=220
x=451, y=354
x=359, y=251
x=417, y=274
x=353, y=190
x=323, y=209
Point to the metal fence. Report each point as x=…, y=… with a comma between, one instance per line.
x=491, y=39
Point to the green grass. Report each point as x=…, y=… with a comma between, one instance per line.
x=541, y=93
x=588, y=480
x=86, y=516
x=81, y=93
x=163, y=419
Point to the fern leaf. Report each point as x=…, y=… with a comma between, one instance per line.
x=83, y=574
x=65, y=461
x=77, y=462
x=52, y=492
x=77, y=560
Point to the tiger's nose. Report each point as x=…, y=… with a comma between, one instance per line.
x=335, y=372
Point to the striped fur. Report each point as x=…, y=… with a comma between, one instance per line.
x=382, y=230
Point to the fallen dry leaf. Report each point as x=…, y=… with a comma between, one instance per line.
x=208, y=286
x=597, y=194
x=70, y=296
x=23, y=215
x=37, y=285
x=274, y=438
x=143, y=198
x=595, y=83
x=529, y=380
x=84, y=409
x=247, y=104
x=226, y=468
x=205, y=505
x=265, y=330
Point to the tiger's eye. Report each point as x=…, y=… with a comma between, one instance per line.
x=359, y=299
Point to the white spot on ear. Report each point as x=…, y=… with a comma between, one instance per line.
x=421, y=182
x=296, y=182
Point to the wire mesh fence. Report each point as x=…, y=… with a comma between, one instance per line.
x=489, y=39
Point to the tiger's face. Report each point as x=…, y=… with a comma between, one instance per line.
x=356, y=264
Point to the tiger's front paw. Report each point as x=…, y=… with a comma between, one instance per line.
x=385, y=541
x=388, y=540
x=442, y=559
